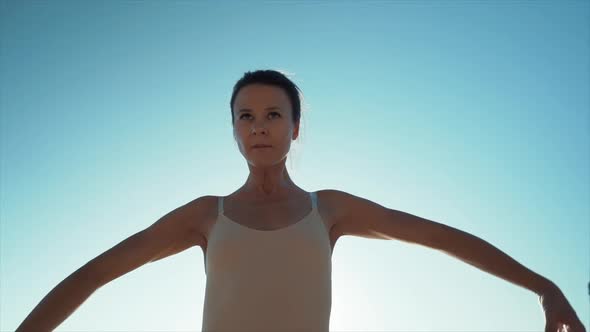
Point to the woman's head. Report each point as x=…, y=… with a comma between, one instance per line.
x=266, y=109
x=272, y=78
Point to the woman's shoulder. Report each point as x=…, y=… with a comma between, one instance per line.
x=335, y=202
x=331, y=195
x=204, y=211
x=203, y=203
x=330, y=200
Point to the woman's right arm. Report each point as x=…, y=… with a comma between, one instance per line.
x=178, y=230
x=63, y=299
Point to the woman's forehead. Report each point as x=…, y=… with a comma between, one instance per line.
x=258, y=95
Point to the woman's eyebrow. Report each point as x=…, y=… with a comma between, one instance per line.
x=271, y=108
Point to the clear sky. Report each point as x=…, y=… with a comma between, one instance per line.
x=474, y=114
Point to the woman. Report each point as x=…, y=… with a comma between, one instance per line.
x=268, y=245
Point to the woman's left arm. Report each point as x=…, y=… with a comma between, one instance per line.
x=559, y=314
x=358, y=216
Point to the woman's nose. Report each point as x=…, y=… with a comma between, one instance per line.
x=259, y=130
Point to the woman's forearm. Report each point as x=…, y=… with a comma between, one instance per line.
x=61, y=302
x=483, y=255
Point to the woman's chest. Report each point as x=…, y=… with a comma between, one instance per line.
x=268, y=217
x=275, y=217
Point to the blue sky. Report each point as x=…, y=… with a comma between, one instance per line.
x=474, y=114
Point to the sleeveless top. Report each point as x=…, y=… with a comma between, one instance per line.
x=268, y=280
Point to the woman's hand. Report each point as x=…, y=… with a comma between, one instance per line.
x=559, y=314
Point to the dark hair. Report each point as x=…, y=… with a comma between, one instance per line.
x=270, y=77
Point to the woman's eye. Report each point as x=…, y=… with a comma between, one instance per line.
x=276, y=113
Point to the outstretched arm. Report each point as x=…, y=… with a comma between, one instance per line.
x=361, y=217
x=483, y=255
x=62, y=301
x=176, y=231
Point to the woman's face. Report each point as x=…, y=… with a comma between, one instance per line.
x=262, y=115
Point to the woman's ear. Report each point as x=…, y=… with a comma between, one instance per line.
x=296, y=131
